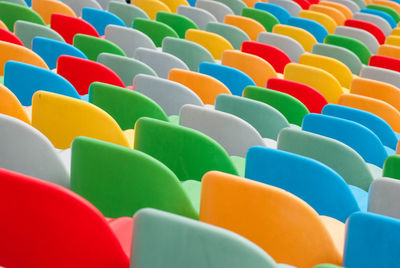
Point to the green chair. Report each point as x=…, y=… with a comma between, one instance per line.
x=26, y=31
x=386, y=9
x=164, y=240
x=177, y=22
x=391, y=167
x=187, y=152
x=338, y=156
x=265, y=18
x=189, y=52
x=290, y=107
x=124, y=105
x=127, y=13
x=235, y=5
x=119, y=181
x=351, y=44
x=233, y=34
x=10, y=13
x=126, y=68
x=92, y=46
x=156, y=30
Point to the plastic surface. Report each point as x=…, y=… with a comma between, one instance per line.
x=250, y=26
x=385, y=62
x=151, y=7
x=369, y=27
x=383, y=197
x=78, y=5
x=156, y=30
x=381, y=14
x=200, y=16
x=287, y=44
x=177, y=22
x=93, y=46
x=391, y=167
x=346, y=11
x=292, y=7
x=265, y=18
x=233, y=34
x=10, y=13
x=26, y=31
x=327, y=22
x=99, y=19
x=10, y=105
x=125, y=12
x=335, y=14
x=311, y=26
x=351, y=44
x=174, y=4
x=218, y=9
x=277, y=11
x=381, y=74
x=214, y=43
x=374, y=19
x=45, y=8
x=235, y=5
x=389, y=10
x=7, y=36
x=306, y=39
x=361, y=35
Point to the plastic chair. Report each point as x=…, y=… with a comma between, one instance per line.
x=156, y=30
x=234, y=79
x=389, y=10
x=45, y=8
x=279, y=12
x=327, y=22
x=381, y=14
x=125, y=106
x=237, y=136
x=287, y=44
x=162, y=63
x=56, y=214
x=381, y=74
x=336, y=155
x=226, y=198
x=311, y=26
x=99, y=19
x=347, y=3
x=127, y=13
x=310, y=97
x=105, y=3
x=190, y=155
x=218, y=9
x=306, y=39
x=174, y=4
x=171, y=96
x=369, y=27
x=142, y=181
x=233, y=34
x=383, y=196
x=335, y=14
x=128, y=39
x=206, y=87
x=258, y=69
x=250, y=26
x=290, y=107
x=81, y=73
x=126, y=68
x=94, y=46
x=265, y=18
x=317, y=78
x=393, y=40
x=376, y=20
x=151, y=7
x=361, y=35
x=78, y=5
x=7, y=36
x=368, y=232
x=26, y=31
x=330, y=196
x=292, y=7
x=347, y=12
x=392, y=5
x=177, y=22
x=389, y=51
x=385, y=62
x=19, y=2
x=200, y=16
x=10, y=13
x=10, y=105
x=391, y=169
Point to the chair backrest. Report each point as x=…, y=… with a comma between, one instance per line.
x=10, y=105
x=286, y=43
x=235, y=5
x=347, y=12
x=381, y=74
x=55, y=214
x=292, y=7
x=349, y=4
x=26, y=31
x=78, y=5
x=94, y=46
x=385, y=62
x=369, y=27
x=265, y=18
x=391, y=167
x=389, y=51
x=170, y=95
x=237, y=136
x=326, y=21
x=151, y=7
x=278, y=11
x=388, y=10
x=311, y=26
x=61, y=119
x=7, y=36
x=218, y=9
x=233, y=34
x=190, y=154
x=156, y=30
x=320, y=186
x=200, y=16
x=338, y=156
x=99, y=19
x=306, y=39
x=139, y=180
x=11, y=12
x=177, y=22
x=361, y=35
x=174, y=4
x=127, y=13
x=250, y=26
x=105, y=3
x=125, y=106
x=374, y=19
x=226, y=199
x=154, y=231
x=383, y=197
x=335, y=14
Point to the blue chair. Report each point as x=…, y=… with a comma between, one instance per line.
x=99, y=19
x=371, y=241
x=376, y=124
x=234, y=79
x=25, y=79
x=354, y=135
x=279, y=12
x=313, y=27
x=49, y=50
x=381, y=14
x=317, y=184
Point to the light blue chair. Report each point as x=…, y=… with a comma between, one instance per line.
x=313, y=27
x=99, y=19
x=279, y=12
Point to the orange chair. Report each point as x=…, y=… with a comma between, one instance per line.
x=348, y=14
x=389, y=51
x=3, y=26
x=252, y=27
x=10, y=105
x=45, y=8
x=326, y=21
x=380, y=108
x=331, y=12
x=206, y=87
x=255, y=67
x=306, y=39
x=282, y=224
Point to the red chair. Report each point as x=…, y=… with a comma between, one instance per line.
x=275, y=56
x=385, y=62
x=369, y=27
x=9, y=37
x=311, y=98
x=46, y=225
x=305, y=4
x=68, y=27
x=81, y=73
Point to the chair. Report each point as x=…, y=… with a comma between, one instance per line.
x=327, y=22
x=105, y=3
x=127, y=13
x=190, y=155
x=233, y=34
x=335, y=14
x=156, y=30
x=206, y=87
x=306, y=39
x=45, y=8
x=235, y=5
x=265, y=18
x=279, y=12
x=177, y=22
x=290, y=107
x=347, y=12
x=26, y=31
x=361, y=35
x=374, y=19
x=393, y=5
x=99, y=19
x=151, y=7
x=385, y=62
x=56, y=214
x=383, y=196
x=125, y=106
x=226, y=199
x=381, y=74
x=61, y=119
x=311, y=26
x=250, y=26
x=353, y=6
x=78, y=5
x=287, y=44
x=218, y=9
x=11, y=12
x=389, y=51
x=174, y=4
x=369, y=27
x=200, y=16
x=389, y=10
x=336, y=155
x=7, y=36
x=330, y=196
x=384, y=15
x=292, y=7
x=140, y=181
x=390, y=168
x=11, y=106
x=93, y=46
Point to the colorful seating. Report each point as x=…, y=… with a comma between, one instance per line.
x=26, y=31
x=382, y=197
x=218, y=9
x=250, y=26
x=385, y=62
x=11, y=12
x=78, y=5
x=177, y=22
x=156, y=30
x=390, y=169
x=200, y=16
x=93, y=46
x=361, y=35
x=11, y=106
x=151, y=7
x=265, y=18
x=99, y=19
x=233, y=34
x=289, y=45
x=306, y=39
x=127, y=13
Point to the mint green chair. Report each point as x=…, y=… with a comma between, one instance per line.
x=177, y=22
x=235, y=5
x=92, y=46
x=127, y=13
x=156, y=30
x=11, y=12
x=26, y=31
x=233, y=34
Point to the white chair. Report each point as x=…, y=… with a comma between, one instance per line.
x=200, y=16
x=77, y=5
x=381, y=74
x=348, y=3
x=384, y=197
x=292, y=7
x=219, y=10
x=374, y=19
x=104, y=3
x=361, y=35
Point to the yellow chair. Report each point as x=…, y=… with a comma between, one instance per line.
x=306, y=39
x=326, y=21
x=331, y=12
x=206, y=87
x=380, y=108
x=391, y=4
x=393, y=40
x=61, y=119
x=317, y=78
x=151, y=7
x=47, y=7
x=252, y=27
x=336, y=68
x=377, y=90
x=348, y=14
x=396, y=31
x=280, y=223
x=213, y=42
x=10, y=51
x=2, y=25
x=389, y=51
x=10, y=105
x=173, y=4
x=257, y=68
